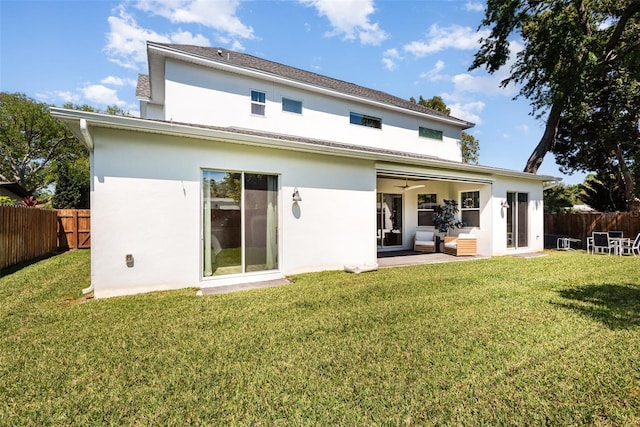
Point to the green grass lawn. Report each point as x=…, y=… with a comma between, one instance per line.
x=553, y=340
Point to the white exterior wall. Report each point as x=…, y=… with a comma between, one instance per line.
x=195, y=94
x=535, y=215
x=146, y=201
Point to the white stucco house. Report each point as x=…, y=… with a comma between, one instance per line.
x=242, y=169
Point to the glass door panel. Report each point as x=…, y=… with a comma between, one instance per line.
x=260, y=209
x=517, y=220
x=239, y=222
x=222, y=223
x=523, y=226
x=510, y=223
x=389, y=219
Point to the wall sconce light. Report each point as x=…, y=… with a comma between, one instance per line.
x=504, y=204
x=296, y=195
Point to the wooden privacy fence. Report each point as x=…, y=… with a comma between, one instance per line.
x=74, y=229
x=26, y=233
x=581, y=225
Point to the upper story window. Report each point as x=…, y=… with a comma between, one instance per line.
x=430, y=133
x=470, y=208
x=291, y=105
x=258, y=102
x=364, y=120
x=426, y=205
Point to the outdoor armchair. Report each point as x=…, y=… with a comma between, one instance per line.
x=589, y=244
x=424, y=241
x=463, y=244
x=631, y=248
x=602, y=242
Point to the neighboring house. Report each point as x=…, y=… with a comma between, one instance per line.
x=13, y=190
x=242, y=169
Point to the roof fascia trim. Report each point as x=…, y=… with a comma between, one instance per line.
x=385, y=161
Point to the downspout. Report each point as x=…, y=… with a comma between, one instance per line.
x=88, y=141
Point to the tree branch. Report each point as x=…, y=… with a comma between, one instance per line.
x=631, y=9
x=547, y=140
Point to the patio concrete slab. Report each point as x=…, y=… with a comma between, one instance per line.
x=404, y=258
x=242, y=287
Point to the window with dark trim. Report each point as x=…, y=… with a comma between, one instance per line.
x=470, y=208
x=429, y=133
x=291, y=105
x=364, y=120
x=258, y=102
x=426, y=205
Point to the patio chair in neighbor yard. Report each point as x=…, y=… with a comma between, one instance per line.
x=631, y=248
x=601, y=243
x=589, y=244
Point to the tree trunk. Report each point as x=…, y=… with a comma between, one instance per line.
x=633, y=203
x=547, y=140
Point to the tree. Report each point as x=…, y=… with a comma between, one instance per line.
x=603, y=193
x=469, y=145
x=470, y=148
x=435, y=103
x=31, y=141
x=561, y=198
x=574, y=53
x=72, y=185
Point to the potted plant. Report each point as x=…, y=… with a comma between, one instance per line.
x=444, y=216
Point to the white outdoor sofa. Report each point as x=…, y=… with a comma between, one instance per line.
x=424, y=241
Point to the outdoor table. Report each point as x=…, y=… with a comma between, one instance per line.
x=617, y=244
x=564, y=243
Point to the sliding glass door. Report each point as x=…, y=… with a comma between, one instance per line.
x=389, y=219
x=517, y=220
x=239, y=222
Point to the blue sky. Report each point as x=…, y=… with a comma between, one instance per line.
x=91, y=51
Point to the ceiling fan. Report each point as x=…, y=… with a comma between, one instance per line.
x=407, y=187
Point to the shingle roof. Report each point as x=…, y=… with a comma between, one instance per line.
x=303, y=76
x=15, y=188
x=143, y=88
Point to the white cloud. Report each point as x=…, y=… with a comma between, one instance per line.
x=118, y=81
x=390, y=58
x=489, y=84
x=237, y=46
x=434, y=74
x=440, y=38
x=126, y=40
x=219, y=15
x=58, y=97
x=485, y=84
x=463, y=108
x=102, y=95
x=523, y=128
x=474, y=6
x=185, y=37
x=67, y=96
x=350, y=18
